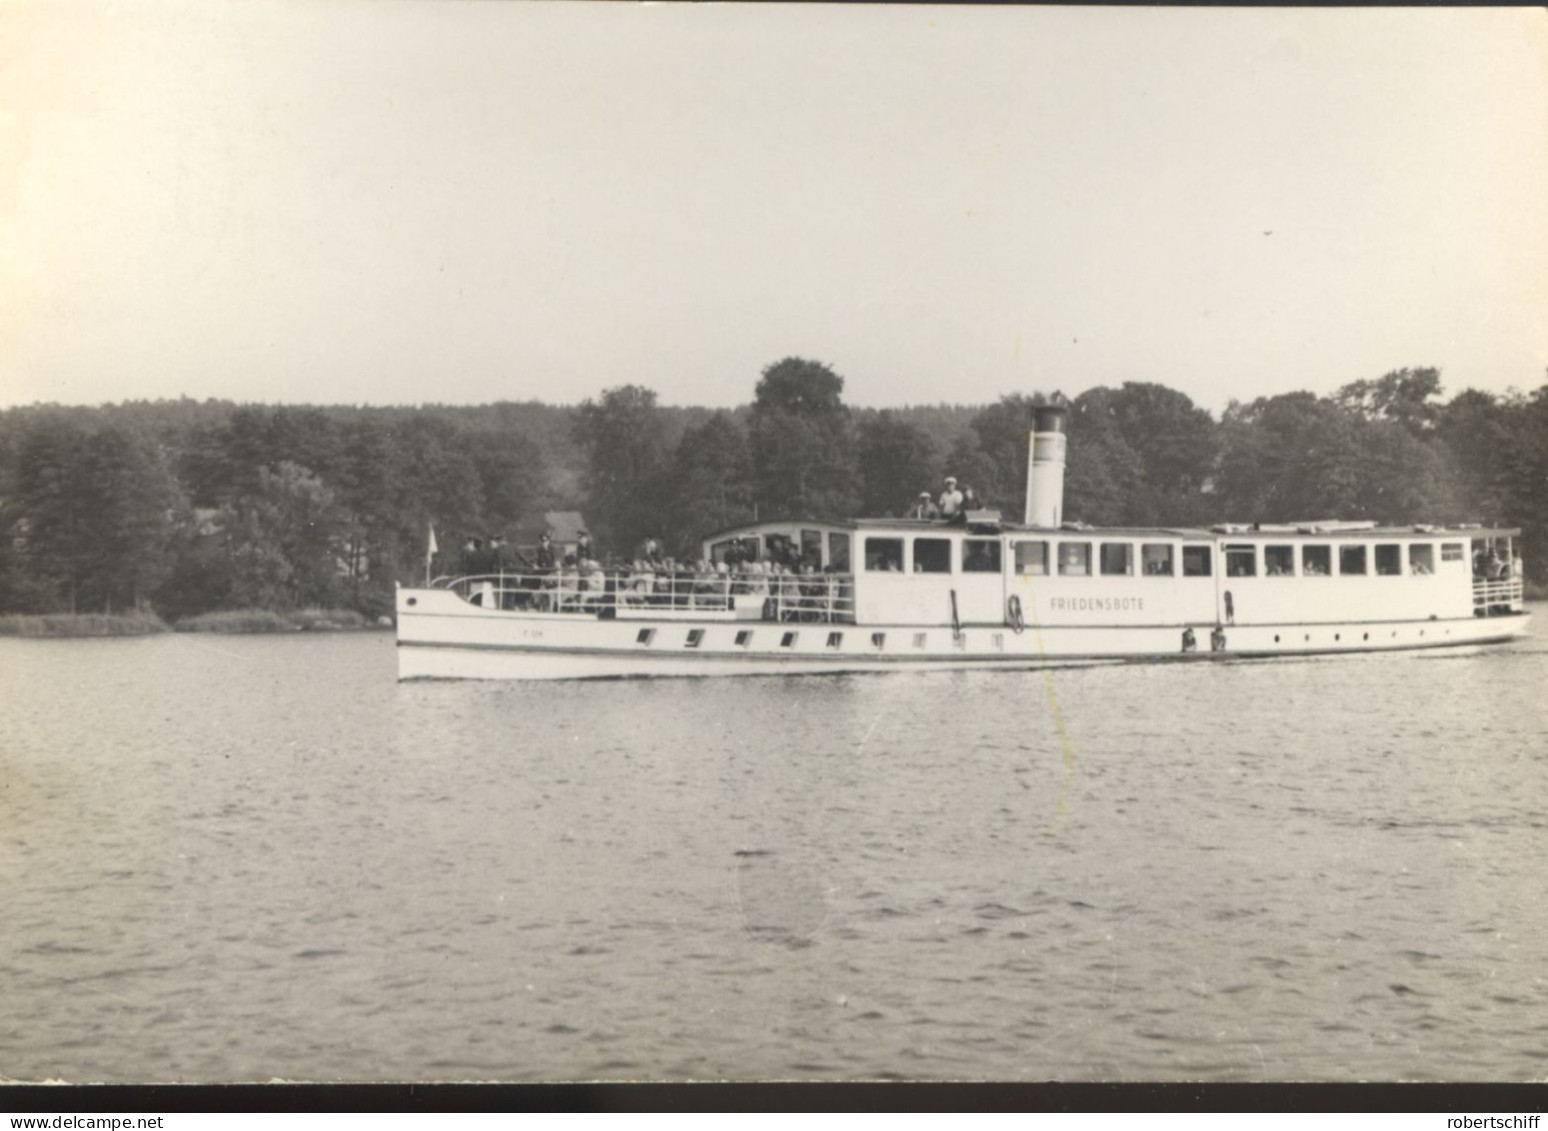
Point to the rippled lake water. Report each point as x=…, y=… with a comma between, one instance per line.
x=253, y=858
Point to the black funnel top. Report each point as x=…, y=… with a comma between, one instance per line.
x=1048, y=418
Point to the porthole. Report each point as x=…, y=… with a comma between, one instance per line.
x=878, y=639
x=788, y=640
x=1365, y=636
x=835, y=639
x=919, y=640
x=1307, y=638
x=695, y=638
x=1276, y=638
x=646, y=635
x=744, y=638
x=1337, y=637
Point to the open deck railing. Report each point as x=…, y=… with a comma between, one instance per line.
x=818, y=597
x=1494, y=597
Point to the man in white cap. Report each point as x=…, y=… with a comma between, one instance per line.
x=923, y=508
x=951, y=498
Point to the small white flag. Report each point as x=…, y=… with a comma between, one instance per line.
x=434, y=548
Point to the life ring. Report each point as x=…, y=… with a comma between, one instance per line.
x=1013, y=612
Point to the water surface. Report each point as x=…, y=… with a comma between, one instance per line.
x=256, y=857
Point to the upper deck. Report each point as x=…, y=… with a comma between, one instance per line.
x=910, y=571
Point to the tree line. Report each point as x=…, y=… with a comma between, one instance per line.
x=187, y=506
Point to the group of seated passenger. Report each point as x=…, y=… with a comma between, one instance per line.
x=1491, y=565
x=787, y=592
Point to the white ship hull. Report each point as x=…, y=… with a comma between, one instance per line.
x=442, y=636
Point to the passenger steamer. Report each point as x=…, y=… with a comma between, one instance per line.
x=886, y=594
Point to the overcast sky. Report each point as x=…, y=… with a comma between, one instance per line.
x=399, y=201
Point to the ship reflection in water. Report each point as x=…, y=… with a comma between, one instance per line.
x=266, y=858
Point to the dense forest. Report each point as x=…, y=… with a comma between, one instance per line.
x=184, y=507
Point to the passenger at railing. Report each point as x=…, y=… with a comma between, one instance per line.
x=545, y=552
x=951, y=499
x=661, y=586
x=649, y=550
x=757, y=581
x=1420, y=569
x=924, y=510
x=568, y=587
x=811, y=589
x=593, y=584
x=1497, y=567
x=1517, y=567
x=583, y=545
x=969, y=503
x=640, y=584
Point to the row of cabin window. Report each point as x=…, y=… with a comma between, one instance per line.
x=1156, y=559
x=1073, y=559
x=1353, y=560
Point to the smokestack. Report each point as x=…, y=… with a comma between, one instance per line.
x=1045, y=467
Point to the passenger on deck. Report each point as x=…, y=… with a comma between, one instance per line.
x=469, y=558
x=569, y=584
x=545, y=552
x=1497, y=566
x=951, y=498
x=595, y=583
x=924, y=509
x=1517, y=566
x=583, y=545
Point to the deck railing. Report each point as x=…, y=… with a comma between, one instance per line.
x=817, y=597
x=1494, y=597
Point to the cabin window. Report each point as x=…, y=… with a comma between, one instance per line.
x=645, y=636
x=838, y=552
x=1452, y=552
x=1316, y=561
x=788, y=640
x=1075, y=559
x=1196, y=561
x=1158, y=560
x=1032, y=558
x=878, y=639
x=695, y=638
x=981, y=555
x=1117, y=559
x=884, y=555
x=1421, y=558
x=1241, y=561
x=1279, y=561
x=835, y=639
x=811, y=548
x=1389, y=560
x=1351, y=559
x=932, y=555
x=744, y=638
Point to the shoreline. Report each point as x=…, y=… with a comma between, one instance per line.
x=63, y=626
